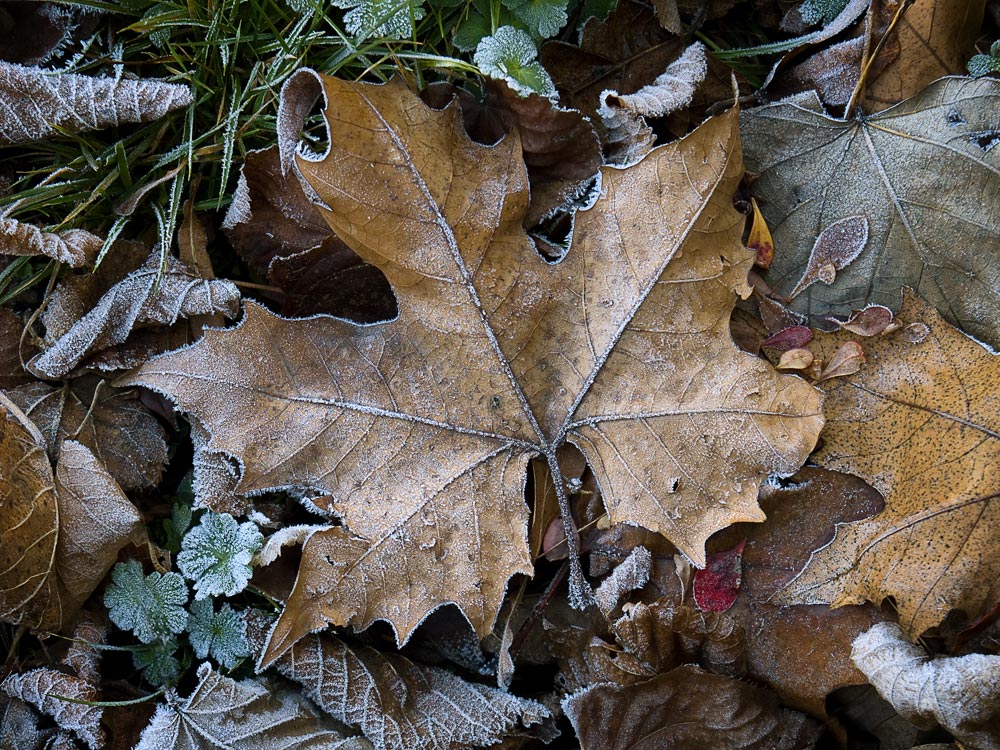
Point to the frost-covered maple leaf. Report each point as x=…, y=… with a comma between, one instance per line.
x=419, y=430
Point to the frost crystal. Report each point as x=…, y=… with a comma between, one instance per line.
x=150, y=606
x=216, y=555
x=389, y=19
x=221, y=635
x=510, y=55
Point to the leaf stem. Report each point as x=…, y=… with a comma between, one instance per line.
x=580, y=594
x=862, y=78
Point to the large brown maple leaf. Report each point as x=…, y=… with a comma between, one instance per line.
x=420, y=429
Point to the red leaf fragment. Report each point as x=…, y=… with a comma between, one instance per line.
x=715, y=587
x=793, y=337
x=871, y=321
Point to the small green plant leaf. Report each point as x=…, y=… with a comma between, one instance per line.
x=220, y=635
x=389, y=19
x=543, y=18
x=152, y=606
x=983, y=65
x=510, y=56
x=158, y=662
x=216, y=555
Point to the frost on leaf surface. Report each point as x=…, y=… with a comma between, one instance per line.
x=510, y=55
x=152, y=606
x=418, y=431
x=907, y=185
x=38, y=102
x=158, y=661
x=397, y=703
x=543, y=18
x=250, y=715
x=389, y=19
x=216, y=555
x=221, y=635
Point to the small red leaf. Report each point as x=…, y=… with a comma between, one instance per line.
x=716, y=586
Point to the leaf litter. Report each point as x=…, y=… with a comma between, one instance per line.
x=489, y=321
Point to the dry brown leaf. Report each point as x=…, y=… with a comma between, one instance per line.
x=802, y=652
x=628, y=137
x=919, y=423
x=38, y=100
x=29, y=522
x=215, y=477
x=908, y=181
x=282, y=235
x=61, y=534
x=74, y=247
x=958, y=693
x=249, y=715
x=686, y=709
x=395, y=702
x=631, y=574
x=19, y=726
x=496, y=356
x=625, y=52
x=112, y=422
x=143, y=299
x=31, y=33
x=935, y=38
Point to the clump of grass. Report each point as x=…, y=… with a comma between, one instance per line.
x=234, y=55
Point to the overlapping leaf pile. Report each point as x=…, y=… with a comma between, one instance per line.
x=513, y=476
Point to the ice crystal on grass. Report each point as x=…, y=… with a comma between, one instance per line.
x=510, y=56
x=389, y=19
x=216, y=555
x=152, y=606
x=220, y=635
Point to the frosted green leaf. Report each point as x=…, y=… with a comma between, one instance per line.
x=821, y=11
x=543, y=18
x=220, y=635
x=982, y=65
x=389, y=19
x=510, y=55
x=216, y=555
x=152, y=606
x=158, y=662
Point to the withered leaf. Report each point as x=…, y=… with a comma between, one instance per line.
x=61, y=534
x=250, y=715
x=74, y=247
x=398, y=703
x=782, y=649
x=112, y=422
x=919, y=423
x=12, y=373
x=282, y=235
x=914, y=174
x=29, y=521
x=686, y=709
x=958, y=693
x=142, y=299
x=934, y=38
x=37, y=100
x=420, y=429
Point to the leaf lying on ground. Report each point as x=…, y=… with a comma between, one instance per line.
x=914, y=175
x=38, y=101
x=421, y=428
x=12, y=374
x=142, y=299
x=959, y=693
x=395, y=702
x=920, y=424
x=44, y=688
x=251, y=715
x=934, y=38
x=74, y=247
x=274, y=228
x=686, y=709
x=112, y=422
